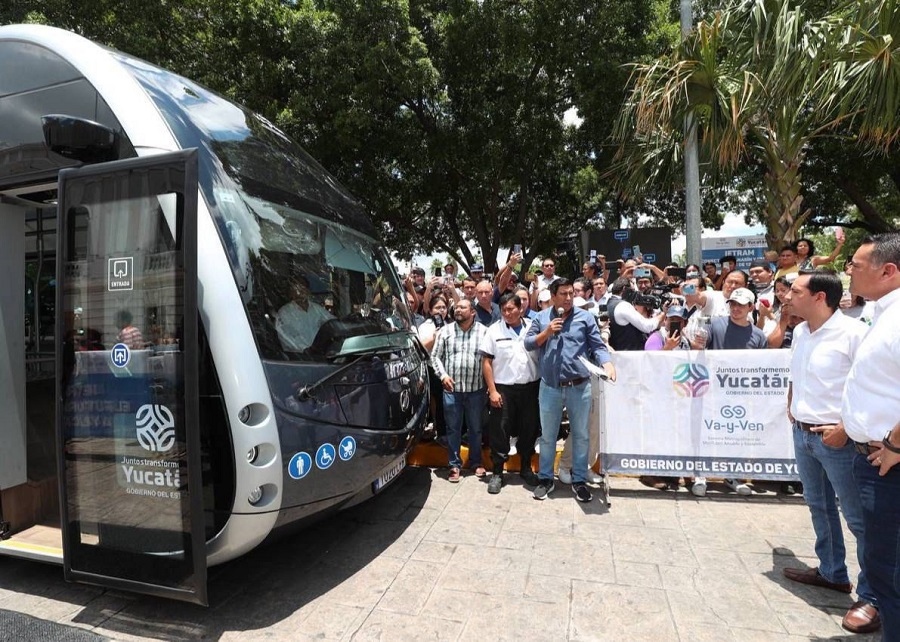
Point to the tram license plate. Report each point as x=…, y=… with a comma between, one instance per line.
x=389, y=474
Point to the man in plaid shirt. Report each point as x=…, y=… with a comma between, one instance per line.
x=457, y=361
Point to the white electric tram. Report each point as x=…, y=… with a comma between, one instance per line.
x=212, y=348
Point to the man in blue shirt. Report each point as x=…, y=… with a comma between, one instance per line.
x=563, y=333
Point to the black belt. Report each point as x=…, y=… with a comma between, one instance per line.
x=808, y=427
x=573, y=382
x=863, y=448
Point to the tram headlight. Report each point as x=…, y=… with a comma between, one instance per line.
x=255, y=495
x=252, y=454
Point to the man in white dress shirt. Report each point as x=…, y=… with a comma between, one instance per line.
x=871, y=418
x=298, y=321
x=823, y=349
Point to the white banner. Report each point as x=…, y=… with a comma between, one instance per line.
x=716, y=413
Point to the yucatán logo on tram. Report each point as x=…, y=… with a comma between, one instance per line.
x=155, y=428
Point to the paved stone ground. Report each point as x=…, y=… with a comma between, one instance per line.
x=433, y=560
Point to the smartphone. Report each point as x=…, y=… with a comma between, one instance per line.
x=437, y=271
x=593, y=259
x=678, y=273
x=642, y=273
x=690, y=288
x=636, y=251
x=517, y=249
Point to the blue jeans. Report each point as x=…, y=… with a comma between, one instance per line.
x=457, y=405
x=577, y=400
x=881, y=517
x=826, y=471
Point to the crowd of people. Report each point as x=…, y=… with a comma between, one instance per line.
x=512, y=353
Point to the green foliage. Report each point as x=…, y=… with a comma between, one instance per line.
x=445, y=117
x=764, y=80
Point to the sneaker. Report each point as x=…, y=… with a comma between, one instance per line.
x=594, y=478
x=529, y=477
x=495, y=483
x=737, y=486
x=480, y=471
x=454, y=475
x=544, y=488
x=698, y=488
x=512, y=445
x=582, y=492
x=565, y=476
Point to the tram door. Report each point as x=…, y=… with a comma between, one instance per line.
x=127, y=397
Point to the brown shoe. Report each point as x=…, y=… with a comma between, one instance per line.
x=862, y=618
x=654, y=482
x=813, y=577
x=454, y=475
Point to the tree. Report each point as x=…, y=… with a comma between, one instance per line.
x=764, y=80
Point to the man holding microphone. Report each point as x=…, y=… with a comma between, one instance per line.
x=562, y=334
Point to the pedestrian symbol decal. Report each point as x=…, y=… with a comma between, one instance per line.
x=348, y=448
x=120, y=355
x=299, y=466
x=325, y=456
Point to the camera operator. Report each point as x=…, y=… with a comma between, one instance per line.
x=630, y=316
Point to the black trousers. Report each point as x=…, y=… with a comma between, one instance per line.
x=520, y=415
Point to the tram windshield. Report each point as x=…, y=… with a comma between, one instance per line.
x=315, y=282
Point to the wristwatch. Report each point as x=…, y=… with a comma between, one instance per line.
x=886, y=442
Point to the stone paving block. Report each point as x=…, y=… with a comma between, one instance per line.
x=469, y=557
x=604, y=612
x=515, y=540
x=410, y=589
x=438, y=552
x=365, y=587
x=637, y=574
x=383, y=625
x=811, y=623
x=465, y=527
x=548, y=588
x=515, y=620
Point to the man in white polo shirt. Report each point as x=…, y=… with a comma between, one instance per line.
x=513, y=383
x=871, y=417
x=823, y=349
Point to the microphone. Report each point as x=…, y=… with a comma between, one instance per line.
x=560, y=311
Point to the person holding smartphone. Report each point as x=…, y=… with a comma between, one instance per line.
x=670, y=336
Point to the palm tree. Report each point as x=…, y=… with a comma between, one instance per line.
x=761, y=79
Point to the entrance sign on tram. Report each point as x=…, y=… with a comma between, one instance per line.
x=121, y=274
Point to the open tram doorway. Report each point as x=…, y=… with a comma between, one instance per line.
x=29, y=498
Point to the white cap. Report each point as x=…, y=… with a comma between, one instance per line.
x=544, y=296
x=742, y=296
x=579, y=302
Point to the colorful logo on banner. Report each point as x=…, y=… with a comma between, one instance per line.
x=690, y=380
x=155, y=426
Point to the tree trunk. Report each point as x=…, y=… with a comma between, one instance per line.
x=784, y=200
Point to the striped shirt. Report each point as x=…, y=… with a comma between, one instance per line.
x=456, y=354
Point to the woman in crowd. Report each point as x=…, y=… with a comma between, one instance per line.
x=806, y=253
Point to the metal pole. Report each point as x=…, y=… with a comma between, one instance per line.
x=693, y=227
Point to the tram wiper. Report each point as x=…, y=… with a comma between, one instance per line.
x=308, y=392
